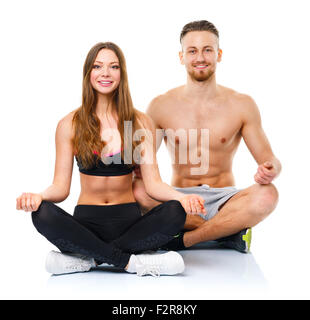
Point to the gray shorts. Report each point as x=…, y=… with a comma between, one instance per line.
x=214, y=197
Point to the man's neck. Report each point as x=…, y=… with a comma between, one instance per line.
x=201, y=90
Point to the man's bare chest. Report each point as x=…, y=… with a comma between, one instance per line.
x=222, y=126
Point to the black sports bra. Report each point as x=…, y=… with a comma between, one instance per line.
x=115, y=166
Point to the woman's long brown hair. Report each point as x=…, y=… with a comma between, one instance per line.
x=86, y=123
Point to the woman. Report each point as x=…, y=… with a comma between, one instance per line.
x=107, y=225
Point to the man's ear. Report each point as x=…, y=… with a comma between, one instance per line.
x=181, y=57
x=219, y=55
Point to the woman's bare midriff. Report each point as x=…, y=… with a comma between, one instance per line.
x=97, y=190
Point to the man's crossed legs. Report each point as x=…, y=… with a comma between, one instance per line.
x=230, y=213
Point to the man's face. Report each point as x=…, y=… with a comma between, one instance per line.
x=200, y=54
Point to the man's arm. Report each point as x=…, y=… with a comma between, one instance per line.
x=256, y=140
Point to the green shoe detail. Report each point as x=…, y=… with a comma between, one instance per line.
x=247, y=238
x=240, y=241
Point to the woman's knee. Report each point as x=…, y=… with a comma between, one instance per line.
x=43, y=215
x=175, y=213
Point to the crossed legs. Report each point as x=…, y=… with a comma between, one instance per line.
x=149, y=232
x=245, y=209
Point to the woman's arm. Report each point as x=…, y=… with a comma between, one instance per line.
x=60, y=188
x=154, y=186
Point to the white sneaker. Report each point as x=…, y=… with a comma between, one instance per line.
x=60, y=263
x=156, y=264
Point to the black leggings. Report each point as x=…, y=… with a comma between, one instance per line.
x=109, y=233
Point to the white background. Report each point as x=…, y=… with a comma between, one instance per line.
x=265, y=54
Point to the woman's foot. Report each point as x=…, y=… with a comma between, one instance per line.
x=62, y=263
x=156, y=264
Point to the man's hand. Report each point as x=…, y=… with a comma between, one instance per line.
x=193, y=204
x=266, y=172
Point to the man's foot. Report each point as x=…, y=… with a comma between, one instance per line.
x=240, y=241
x=61, y=263
x=156, y=264
x=175, y=244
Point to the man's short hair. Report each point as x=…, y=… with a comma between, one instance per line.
x=201, y=25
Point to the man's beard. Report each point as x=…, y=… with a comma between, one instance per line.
x=201, y=75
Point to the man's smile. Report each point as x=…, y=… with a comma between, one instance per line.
x=201, y=66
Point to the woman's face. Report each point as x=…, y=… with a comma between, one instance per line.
x=106, y=73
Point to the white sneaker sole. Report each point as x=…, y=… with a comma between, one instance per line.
x=169, y=263
x=55, y=264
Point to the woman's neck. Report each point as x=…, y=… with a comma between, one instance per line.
x=104, y=106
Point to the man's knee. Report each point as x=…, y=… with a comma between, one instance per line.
x=264, y=199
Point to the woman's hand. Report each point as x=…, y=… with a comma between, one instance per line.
x=28, y=202
x=193, y=204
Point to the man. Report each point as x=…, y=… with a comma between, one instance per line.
x=221, y=117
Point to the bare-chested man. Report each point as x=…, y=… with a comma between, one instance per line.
x=221, y=117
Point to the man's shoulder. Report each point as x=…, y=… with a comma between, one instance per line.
x=168, y=96
x=235, y=95
x=242, y=104
x=162, y=101
x=237, y=100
